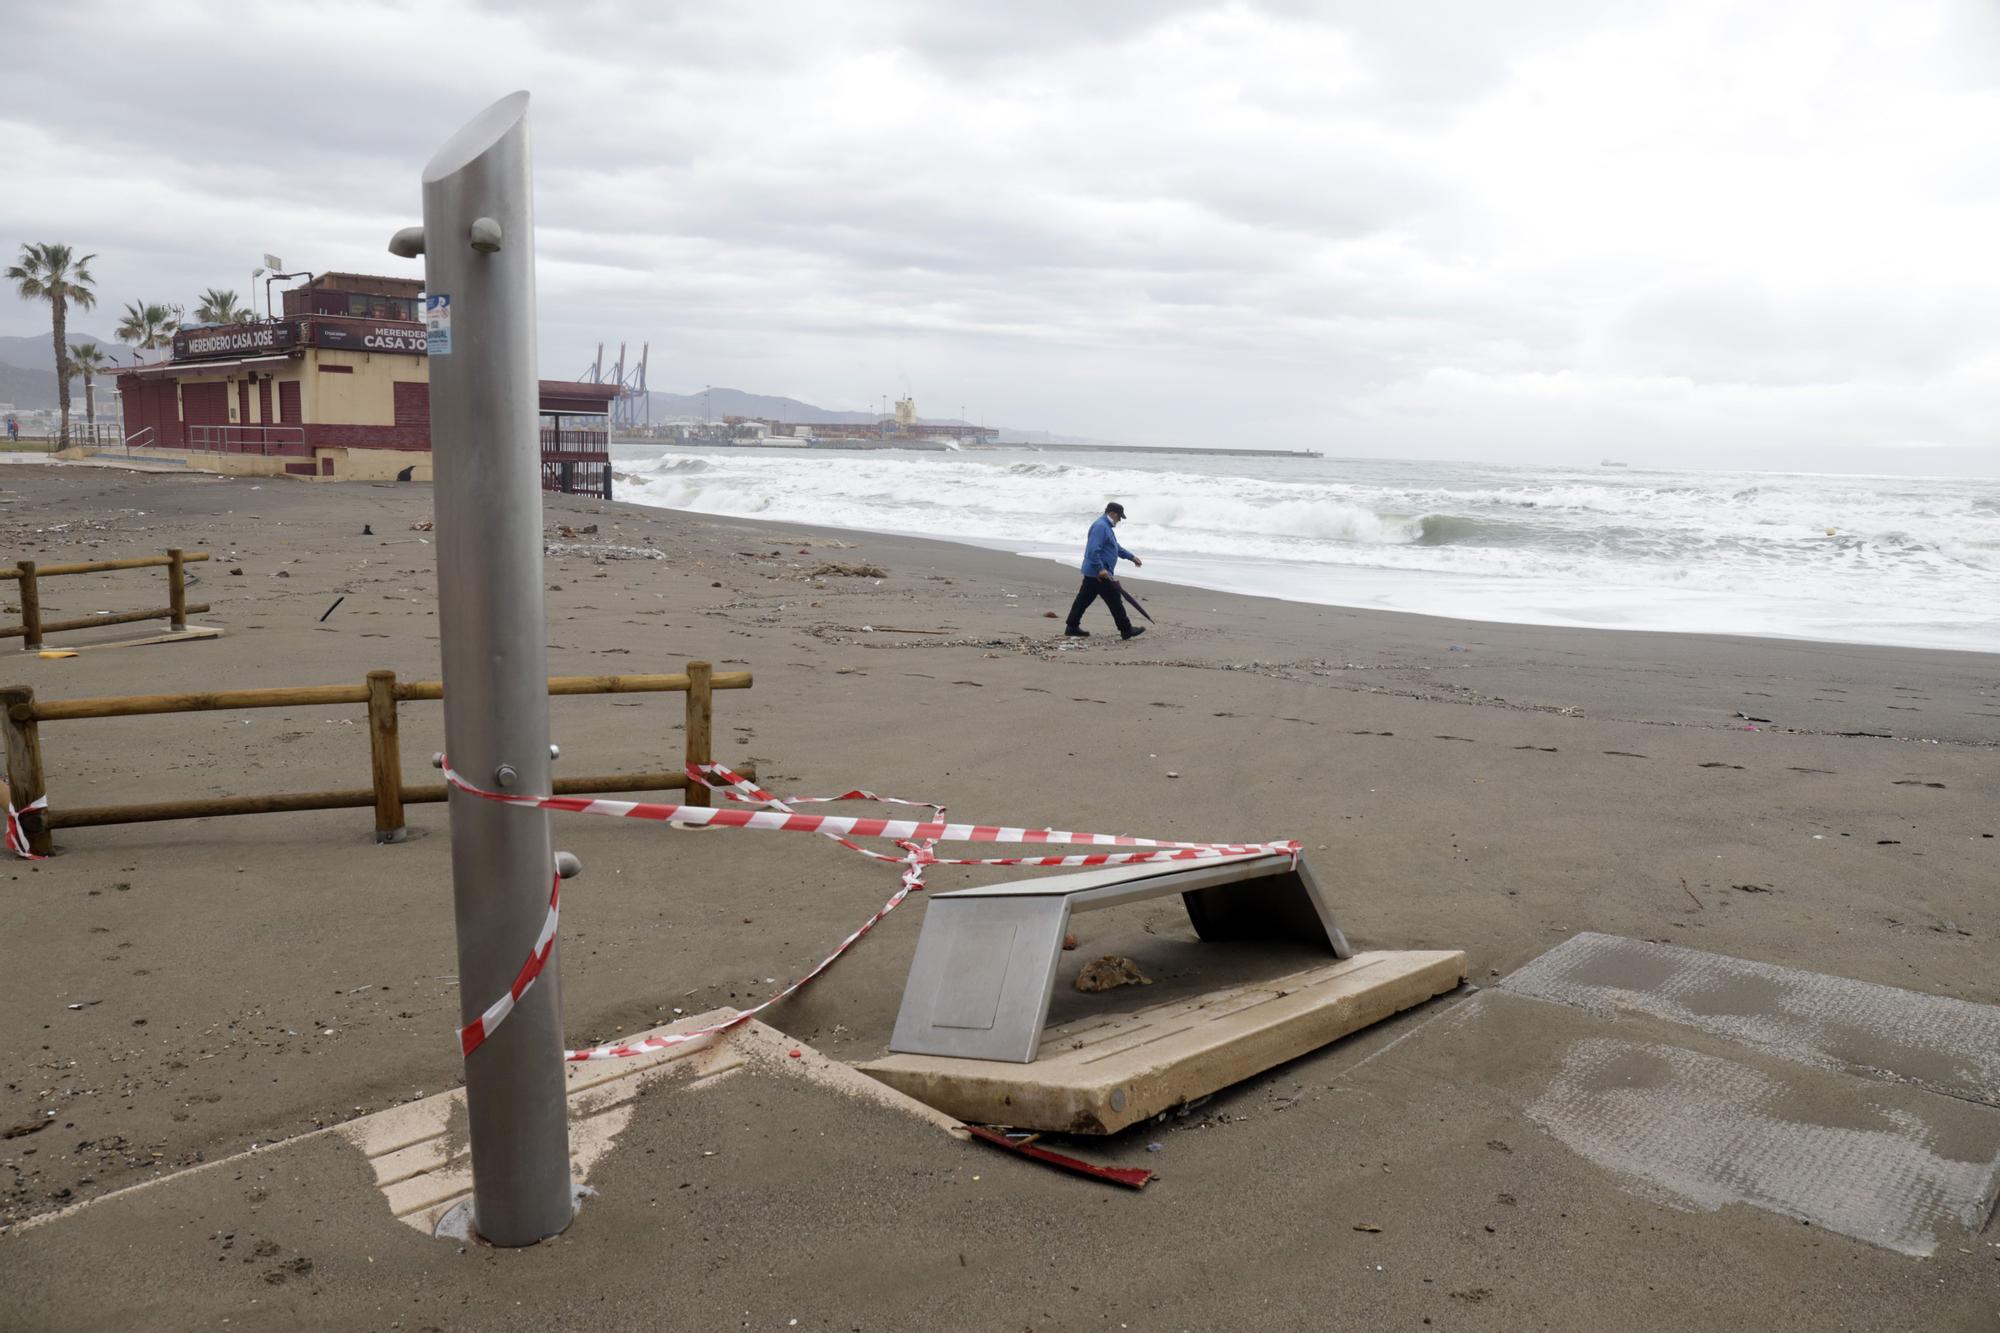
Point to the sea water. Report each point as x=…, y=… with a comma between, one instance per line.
x=1878, y=559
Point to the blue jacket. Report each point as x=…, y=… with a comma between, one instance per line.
x=1101, y=550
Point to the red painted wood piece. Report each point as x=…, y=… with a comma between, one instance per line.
x=1131, y=1177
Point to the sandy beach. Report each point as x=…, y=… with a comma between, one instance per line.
x=1485, y=787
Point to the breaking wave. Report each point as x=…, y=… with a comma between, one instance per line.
x=1904, y=560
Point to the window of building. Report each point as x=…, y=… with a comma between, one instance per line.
x=364, y=305
x=413, y=403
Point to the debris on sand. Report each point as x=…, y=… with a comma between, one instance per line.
x=833, y=569
x=604, y=552
x=1109, y=973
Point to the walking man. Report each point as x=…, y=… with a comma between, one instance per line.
x=1101, y=553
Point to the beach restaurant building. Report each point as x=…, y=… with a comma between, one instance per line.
x=337, y=387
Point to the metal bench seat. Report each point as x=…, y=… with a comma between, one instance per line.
x=984, y=972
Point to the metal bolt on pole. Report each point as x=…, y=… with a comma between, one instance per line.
x=478, y=243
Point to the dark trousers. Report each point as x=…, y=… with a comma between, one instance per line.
x=1105, y=588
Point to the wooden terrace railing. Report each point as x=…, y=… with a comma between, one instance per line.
x=29, y=575
x=22, y=716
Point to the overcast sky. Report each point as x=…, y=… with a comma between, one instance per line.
x=1756, y=234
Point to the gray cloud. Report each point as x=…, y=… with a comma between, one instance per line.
x=1738, y=234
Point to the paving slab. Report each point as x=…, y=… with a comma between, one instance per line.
x=1828, y=1022
x=1706, y=1081
x=1896, y=1167
x=1099, y=1074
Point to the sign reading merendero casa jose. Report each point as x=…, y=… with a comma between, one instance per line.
x=368, y=335
x=355, y=335
x=234, y=340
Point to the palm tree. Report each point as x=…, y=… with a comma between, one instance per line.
x=220, y=307
x=56, y=274
x=147, y=326
x=89, y=361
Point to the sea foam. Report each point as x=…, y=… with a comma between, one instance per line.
x=1888, y=560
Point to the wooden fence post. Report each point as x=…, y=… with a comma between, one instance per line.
x=177, y=588
x=31, y=608
x=25, y=781
x=700, y=713
x=385, y=755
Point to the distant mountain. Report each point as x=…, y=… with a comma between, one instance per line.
x=721, y=402
x=36, y=352
x=28, y=389
x=28, y=375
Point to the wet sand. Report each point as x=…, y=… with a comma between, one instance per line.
x=1486, y=787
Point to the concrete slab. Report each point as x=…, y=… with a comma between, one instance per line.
x=188, y=635
x=421, y=1158
x=423, y=1161
x=1828, y=1022
x=1099, y=1074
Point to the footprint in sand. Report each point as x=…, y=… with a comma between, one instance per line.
x=1918, y=782
x=1467, y=739
x=1371, y=733
x=1812, y=770
x=1626, y=754
x=1716, y=763
x=973, y=683
x=1543, y=749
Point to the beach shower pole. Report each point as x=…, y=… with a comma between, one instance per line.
x=478, y=243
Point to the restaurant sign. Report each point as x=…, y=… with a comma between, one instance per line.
x=362, y=335
x=233, y=340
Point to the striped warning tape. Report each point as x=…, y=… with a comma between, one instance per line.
x=16, y=836
x=916, y=839
x=781, y=818
x=479, y=1029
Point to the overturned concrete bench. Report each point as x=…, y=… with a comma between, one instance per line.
x=970, y=1038
x=986, y=960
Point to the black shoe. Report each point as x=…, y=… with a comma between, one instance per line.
x=1132, y=633
x=1075, y=633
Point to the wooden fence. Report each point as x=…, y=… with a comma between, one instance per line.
x=33, y=627
x=21, y=719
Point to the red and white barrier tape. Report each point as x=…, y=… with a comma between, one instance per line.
x=918, y=840
x=17, y=837
x=782, y=819
x=475, y=1032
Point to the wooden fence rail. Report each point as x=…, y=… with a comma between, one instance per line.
x=21, y=717
x=29, y=574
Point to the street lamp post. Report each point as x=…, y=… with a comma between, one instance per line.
x=478, y=243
